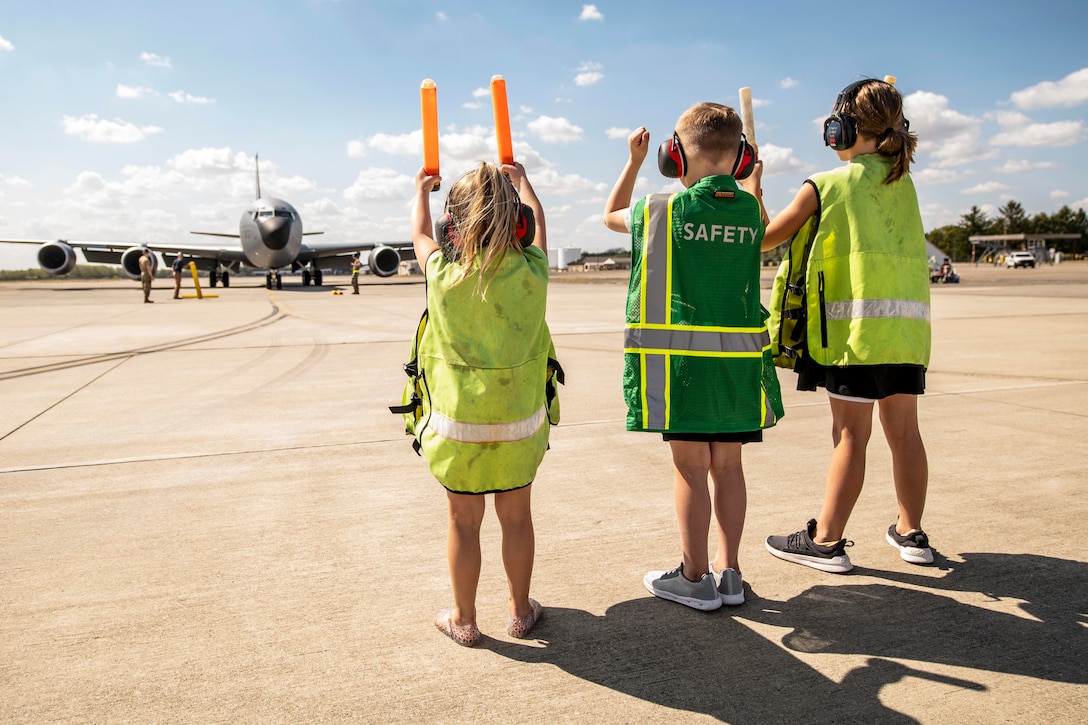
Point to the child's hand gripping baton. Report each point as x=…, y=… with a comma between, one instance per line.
x=428, y=102
x=502, y=120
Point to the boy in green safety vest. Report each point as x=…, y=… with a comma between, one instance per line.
x=697, y=362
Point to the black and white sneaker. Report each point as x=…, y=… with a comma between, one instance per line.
x=913, y=547
x=801, y=549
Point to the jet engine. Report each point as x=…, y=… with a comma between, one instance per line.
x=384, y=261
x=57, y=257
x=130, y=262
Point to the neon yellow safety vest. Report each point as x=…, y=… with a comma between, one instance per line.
x=696, y=349
x=482, y=388
x=868, y=274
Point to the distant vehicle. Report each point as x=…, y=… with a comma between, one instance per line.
x=269, y=237
x=1020, y=259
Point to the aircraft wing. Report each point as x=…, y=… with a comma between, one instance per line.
x=110, y=252
x=308, y=253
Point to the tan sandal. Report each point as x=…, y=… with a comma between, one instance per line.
x=519, y=627
x=466, y=635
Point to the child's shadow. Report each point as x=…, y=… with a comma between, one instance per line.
x=1042, y=634
x=707, y=663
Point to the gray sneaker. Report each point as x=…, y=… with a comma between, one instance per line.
x=674, y=586
x=801, y=549
x=730, y=586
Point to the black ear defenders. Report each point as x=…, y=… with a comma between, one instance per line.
x=840, y=129
x=673, y=163
x=445, y=228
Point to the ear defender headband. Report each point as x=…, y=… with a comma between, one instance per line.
x=672, y=162
x=445, y=228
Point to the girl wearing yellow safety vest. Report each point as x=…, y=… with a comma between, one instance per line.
x=865, y=314
x=482, y=359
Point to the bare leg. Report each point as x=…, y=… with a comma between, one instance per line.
x=910, y=468
x=466, y=513
x=851, y=426
x=518, y=545
x=691, y=464
x=730, y=502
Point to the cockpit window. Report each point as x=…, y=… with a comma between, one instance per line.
x=284, y=213
x=264, y=213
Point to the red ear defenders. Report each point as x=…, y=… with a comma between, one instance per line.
x=840, y=129
x=524, y=227
x=673, y=164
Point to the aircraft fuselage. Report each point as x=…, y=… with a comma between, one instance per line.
x=271, y=233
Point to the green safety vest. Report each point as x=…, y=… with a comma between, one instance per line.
x=481, y=391
x=865, y=296
x=696, y=349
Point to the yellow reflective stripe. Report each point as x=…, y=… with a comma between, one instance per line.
x=668, y=369
x=642, y=389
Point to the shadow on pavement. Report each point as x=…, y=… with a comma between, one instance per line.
x=714, y=664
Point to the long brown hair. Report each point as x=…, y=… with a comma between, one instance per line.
x=877, y=109
x=483, y=205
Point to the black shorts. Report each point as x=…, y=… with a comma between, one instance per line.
x=755, y=436
x=871, y=382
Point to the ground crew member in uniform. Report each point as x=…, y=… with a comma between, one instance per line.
x=146, y=274
x=356, y=265
x=697, y=362
x=178, y=267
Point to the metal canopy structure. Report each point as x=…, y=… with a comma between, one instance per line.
x=998, y=244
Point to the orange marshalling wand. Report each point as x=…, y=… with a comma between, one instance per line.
x=502, y=120
x=428, y=101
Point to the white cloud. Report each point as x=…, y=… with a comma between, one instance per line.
x=158, y=61
x=779, y=160
x=212, y=161
x=183, y=97
x=481, y=93
x=357, y=149
x=590, y=12
x=950, y=136
x=1020, y=131
x=787, y=82
x=375, y=184
x=15, y=181
x=557, y=130
x=6, y=44
x=932, y=176
x=441, y=16
x=124, y=91
x=1069, y=91
x=1019, y=167
x=90, y=128
x=987, y=187
x=588, y=74
x=760, y=102
x=550, y=181
x=616, y=132
x=1059, y=194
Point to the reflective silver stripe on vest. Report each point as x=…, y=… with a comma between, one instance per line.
x=868, y=309
x=462, y=432
x=655, y=259
x=654, y=384
x=685, y=340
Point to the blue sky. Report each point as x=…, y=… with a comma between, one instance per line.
x=139, y=121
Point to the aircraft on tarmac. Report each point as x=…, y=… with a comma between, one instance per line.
x=270, y=237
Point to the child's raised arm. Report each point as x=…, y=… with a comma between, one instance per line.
x=638, y=143
x=516, y=173
x=422, y=234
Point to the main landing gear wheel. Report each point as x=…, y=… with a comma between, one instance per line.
x=226, y=279
x=317, y=277
x=305, y=278
x=268, y=280
x=212, y=278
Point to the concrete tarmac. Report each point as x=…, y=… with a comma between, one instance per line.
x=207, y=514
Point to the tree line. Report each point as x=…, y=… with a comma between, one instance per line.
x=1011, y=218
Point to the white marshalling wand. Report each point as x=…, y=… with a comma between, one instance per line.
x=747, y=118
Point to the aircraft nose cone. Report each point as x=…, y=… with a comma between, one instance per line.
x=275, y=231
